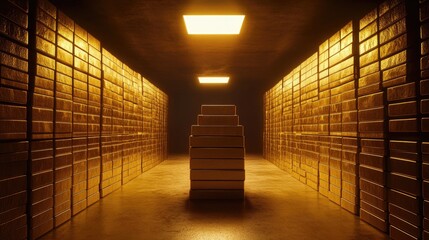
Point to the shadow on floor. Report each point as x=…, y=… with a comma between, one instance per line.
x=232, y=208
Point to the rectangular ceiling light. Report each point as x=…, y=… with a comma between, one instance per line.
x=213, y=24
x=214, y=80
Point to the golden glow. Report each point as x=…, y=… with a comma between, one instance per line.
x=214, y=80
x=213, y=24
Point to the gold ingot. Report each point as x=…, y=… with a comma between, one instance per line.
x=374, y=114
x=368, y=45
x=81, y=43
x=368, y=18
x=368, y=58
x=370, y=69
x=393, y=31
x=64, y=82
x=14, y=75
x=65, y=21
x=45, y=32
x=13, y=48
x=13, y=31
x=64, y=69
x=348, y=117
x=64, y=56
x=401, y=92
x=64, y=104
x=395, y=76
x=367, y=80
x=334, y=49
x=13, y=62
x=81, y=54
x=403, y=125
x=10, y=112
x=63, y=116
x=371, y=101
x=44, y=85
x=394, y=46
x=404, y=109
x=368, y=31
x=82, y=34
x=346, y=41
x=390, y=14
x=47, y=19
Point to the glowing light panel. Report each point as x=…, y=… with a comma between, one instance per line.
x=213, y=80
x=213, y=24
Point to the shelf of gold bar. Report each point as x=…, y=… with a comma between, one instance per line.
x=155, y=127
x=13, y=119
x=13, y=182
x=309, y=139
x=55, y=38
x=276, y=123
x=108, y=93
x=371, y=127
x=265, y=126
x=136, y=164
x=323, y=110
x=63, y=101
x=278, y=119
x=344, y=95
x=424, y=109
x=158, y=133
x=128, y=123
x=404, y=163
x=349, y=175
x=273, y=125
x=342, y=89
x=324, y=146
x=297, y=170
x=42, y=189
x=42, y=144
x=287, y=121
x=80, y=121
x=93, y=119
x=140, y=110
x=150, y=121
x=217, y=154
x=62, y=180
x=269, y=123
x=165, y=126
x=146, y=124
x=398, y=47
x=63, y=167
x=13, y=71
x=115, y=76
x=324, y=101
x=309, y=94
x=130, y=155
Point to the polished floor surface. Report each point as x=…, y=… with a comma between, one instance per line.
x=156, y=206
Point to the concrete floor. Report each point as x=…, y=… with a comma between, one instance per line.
x=156, y=206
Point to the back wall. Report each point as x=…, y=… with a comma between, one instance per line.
x=185, y=102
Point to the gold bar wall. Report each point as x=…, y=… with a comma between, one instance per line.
x=76, y=123
x=351, y=121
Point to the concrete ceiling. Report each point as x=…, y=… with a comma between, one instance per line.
x=150, y=36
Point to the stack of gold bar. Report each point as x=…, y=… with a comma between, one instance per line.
x=14, y=146
x=217, y=154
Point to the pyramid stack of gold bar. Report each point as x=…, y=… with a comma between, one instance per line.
x=217, y=154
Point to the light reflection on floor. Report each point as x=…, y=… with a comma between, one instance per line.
x=156, y=206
